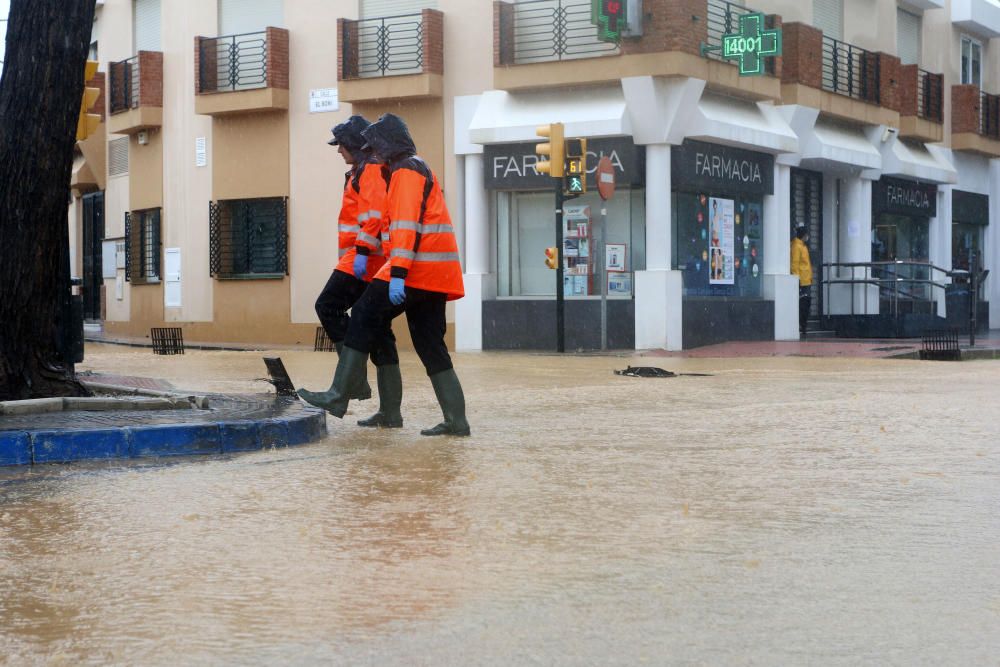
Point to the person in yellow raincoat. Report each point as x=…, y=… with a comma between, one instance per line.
x=802, y=267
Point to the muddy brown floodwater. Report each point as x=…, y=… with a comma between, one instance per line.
x=782, y=511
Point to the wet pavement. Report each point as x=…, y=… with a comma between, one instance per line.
x=781, y=511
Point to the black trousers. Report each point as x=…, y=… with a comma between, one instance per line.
x=341, y=292
x=371, y=326
x=805, y=303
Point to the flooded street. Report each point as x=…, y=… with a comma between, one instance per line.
x=781, y=511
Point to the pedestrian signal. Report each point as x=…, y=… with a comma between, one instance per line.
x=87, y=123
x=551, y=151
x=552, y=257
x=575, y=176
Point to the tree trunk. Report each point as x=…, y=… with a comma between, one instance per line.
x=40, y=93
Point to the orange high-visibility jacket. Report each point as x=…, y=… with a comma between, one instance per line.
x=423, y=248
x=361, y=219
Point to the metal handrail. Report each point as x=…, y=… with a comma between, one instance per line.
x=930, y=96
x=723, y=18
x=386, y=46
x=889, y=285
x=546, y=30
x=125, y=86
x=240, y=62
x=850, y=70
x=989, y=115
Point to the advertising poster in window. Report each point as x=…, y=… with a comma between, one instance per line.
x=722, y=247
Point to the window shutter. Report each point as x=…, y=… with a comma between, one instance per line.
x=146, y=25
x=237, y=17
x=118, y=157
x=908, y=33
x=383, y=8
x=828, y=16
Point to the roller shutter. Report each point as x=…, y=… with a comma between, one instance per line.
x=828, y=16
x=241, y=16
x=146, y=25
x=383, y=8
x=908, y=30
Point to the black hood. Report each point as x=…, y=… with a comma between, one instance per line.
x=348, y=134
x=388, y=139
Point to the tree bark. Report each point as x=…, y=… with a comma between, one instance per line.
x=40, y=93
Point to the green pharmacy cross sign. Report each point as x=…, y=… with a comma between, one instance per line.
x=609, y=17
x=750, y=46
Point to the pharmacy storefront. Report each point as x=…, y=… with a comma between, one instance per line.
x=522, y=203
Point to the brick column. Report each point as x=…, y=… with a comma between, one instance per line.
x=347, y=54
x=150, y=79
x=277, y=57
x=888, y=79
x=803, y=59
x=965, y=108
x=671, y=25
x=503, y=33
x=906, y=93
x=433, y=41
x=210, y=66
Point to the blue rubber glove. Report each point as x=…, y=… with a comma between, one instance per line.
x=397, y=293
x=360, y=266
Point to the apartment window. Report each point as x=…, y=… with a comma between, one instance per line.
x=909, y=28
x=118, y=157
x=972, y=61
x=142, y=246
x=146, y=25
x=248, y=238
x=828, y=16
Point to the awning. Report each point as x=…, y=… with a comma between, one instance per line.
x=828, y=146
x=503, y=117
x=744, y=124
x=918, y=161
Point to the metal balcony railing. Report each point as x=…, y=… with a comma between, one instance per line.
x=233, y=62
x=546, y=30
x=124, y=84
x=930, y=96
x=386, y=46
x=989, y=115
x=850, y=70
x=723, y=18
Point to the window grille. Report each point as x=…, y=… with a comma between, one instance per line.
x=248, y=238
x=118, y=157
x=142, y=246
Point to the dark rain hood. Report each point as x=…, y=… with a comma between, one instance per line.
x=389, y=139
x=348, y=135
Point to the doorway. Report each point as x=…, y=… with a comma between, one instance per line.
x=807, y=209
x=93, y=269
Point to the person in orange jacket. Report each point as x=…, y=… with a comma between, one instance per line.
x=360, y=221
x=422, y=274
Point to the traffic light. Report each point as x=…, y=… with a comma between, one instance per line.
x=552, y=150
x=552, y=257
x=88, y=122
x=575, y=177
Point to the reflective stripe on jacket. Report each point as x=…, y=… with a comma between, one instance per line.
x=424, y=249
x=801, y=264
x=364, y=199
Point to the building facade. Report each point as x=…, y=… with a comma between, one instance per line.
x=210, y=200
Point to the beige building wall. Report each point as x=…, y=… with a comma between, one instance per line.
x=186, y=188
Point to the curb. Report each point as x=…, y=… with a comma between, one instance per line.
x=133, y=442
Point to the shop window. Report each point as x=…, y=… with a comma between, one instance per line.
x=248, y=238
x=526, y=227
x=966, y=250
x=719, y=244
x=905, y=239
x=142, y=246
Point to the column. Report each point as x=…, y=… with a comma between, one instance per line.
x=779, y=285
x=991, y=247
x=658, y=289
x=479, y=284
x=939, y=252
x=854, y=240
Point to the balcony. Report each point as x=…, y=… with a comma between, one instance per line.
x=921, y=104
x=975, y=120
x=979, y=16
x=136, y=87
x=391, y=58
x=840, y=79
x=553, y=43
x=241, y=73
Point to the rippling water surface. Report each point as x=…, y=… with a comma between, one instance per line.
x=783, y=511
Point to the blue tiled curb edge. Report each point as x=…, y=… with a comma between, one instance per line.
x=65, y=445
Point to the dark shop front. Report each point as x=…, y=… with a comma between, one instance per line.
x=718, y=221
x=523, y=211
x=970, y=216
x=901, y=216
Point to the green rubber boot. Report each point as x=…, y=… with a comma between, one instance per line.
x=390, y=397
x=364, y=391
x=449, y=394
x=349, y=375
